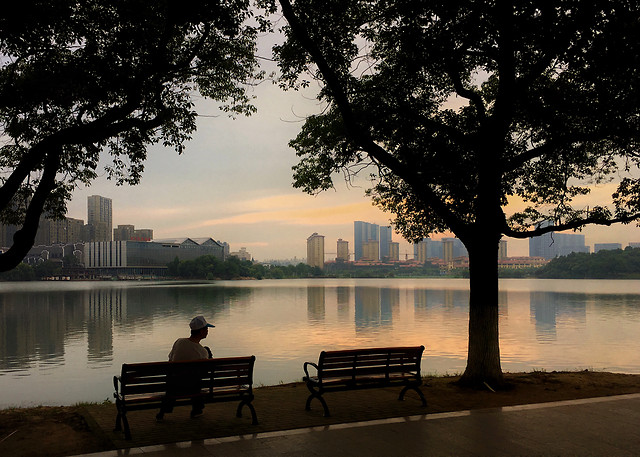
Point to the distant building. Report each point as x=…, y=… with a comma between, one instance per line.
x=364, y=232
x=123, y=232
x=142, y=235
x=394, y=251
x=242, y=254
x=100, y=218
x=634, y=245
x=225, y=247
x=342, y=250
x=315, y=250
x=385, y=239
x=522, y=262
x=59, y=231
x=553, y=244
x=139, y=257
x=502, y=250
x=606, y=247
x=370, y=251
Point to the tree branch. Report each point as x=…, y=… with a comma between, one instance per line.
x=359, y=134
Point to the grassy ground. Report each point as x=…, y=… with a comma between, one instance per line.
x=72, y=430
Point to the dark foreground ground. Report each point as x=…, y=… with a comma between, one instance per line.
x=72, y=430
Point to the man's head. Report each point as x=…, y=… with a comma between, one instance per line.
x=199, y=325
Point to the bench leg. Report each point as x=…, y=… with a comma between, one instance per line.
x=406, y=388
x=318, y=395
x=254, y=417
x=127, y=432
x=118, y=425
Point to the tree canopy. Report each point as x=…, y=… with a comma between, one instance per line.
x=82, y=77
x=456, y=109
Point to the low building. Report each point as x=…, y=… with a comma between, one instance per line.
x=145, y=257
x=242, y=254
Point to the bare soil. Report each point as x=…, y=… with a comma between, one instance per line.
x=71, y=430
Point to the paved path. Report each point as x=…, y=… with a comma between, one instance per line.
x=607, y=426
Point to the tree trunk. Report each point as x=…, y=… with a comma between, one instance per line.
x=483, y=358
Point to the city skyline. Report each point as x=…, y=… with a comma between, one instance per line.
x=233, y=183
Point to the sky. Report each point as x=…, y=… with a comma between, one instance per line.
x=233, y=183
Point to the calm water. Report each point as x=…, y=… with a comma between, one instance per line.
x=61, y=343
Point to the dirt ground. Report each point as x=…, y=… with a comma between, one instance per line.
x=71, y=430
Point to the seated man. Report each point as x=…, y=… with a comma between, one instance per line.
x=189, y=349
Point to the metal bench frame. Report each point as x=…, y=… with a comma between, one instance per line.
x=152, y=385
x=362, y=369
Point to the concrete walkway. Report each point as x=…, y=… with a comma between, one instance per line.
x=605, y=426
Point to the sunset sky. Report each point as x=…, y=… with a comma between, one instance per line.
x=233, y=183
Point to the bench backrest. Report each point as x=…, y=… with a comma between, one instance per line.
x=357, y=363
x=153, y=377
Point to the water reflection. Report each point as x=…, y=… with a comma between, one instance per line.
x=34, y=327
x=375, y=307
x=547, y=307
x=315, y=304
x=73, y=337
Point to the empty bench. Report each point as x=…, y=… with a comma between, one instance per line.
x=364, y=368
x=154, y=385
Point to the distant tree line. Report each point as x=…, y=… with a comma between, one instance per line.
x=614, y=264
x=349, y=270
x=210, y=267
x=26, y=272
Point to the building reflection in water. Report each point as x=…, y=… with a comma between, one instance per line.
x=315, y=304
x=36, y=326
x=343, y=296
x=104, y=306
x=547, y=307
x=374, y=307
x=425, y=299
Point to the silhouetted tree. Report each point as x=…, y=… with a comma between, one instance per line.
x=79, y=77
x=458, y=108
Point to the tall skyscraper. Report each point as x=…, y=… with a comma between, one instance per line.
x=363, y=232
x=385, y=240
x=315, y=250
x=100, y=218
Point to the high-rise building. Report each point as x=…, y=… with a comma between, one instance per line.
x=315, y=250
x=370, y=250
x=364, y=232
x=385, y=239
x=502, y=250
x=100, y=218
x=342, y=250
x=394, y=251
x=552, y=244
x=59, y=231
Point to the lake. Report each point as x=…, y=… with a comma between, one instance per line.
x=62, y=342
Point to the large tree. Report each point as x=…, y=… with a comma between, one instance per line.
x=82, y=77
x=462, y=107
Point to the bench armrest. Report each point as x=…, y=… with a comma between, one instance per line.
x=306, y=371
x=115, y=385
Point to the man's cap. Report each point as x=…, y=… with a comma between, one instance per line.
x=199, y=322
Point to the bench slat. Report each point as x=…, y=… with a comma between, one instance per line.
x=364, y=368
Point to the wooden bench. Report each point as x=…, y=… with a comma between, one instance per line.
x=154, y=385
x=365, y=368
